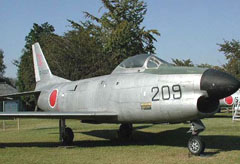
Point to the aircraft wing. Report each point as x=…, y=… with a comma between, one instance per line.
x=16, y=95
x=88, y=115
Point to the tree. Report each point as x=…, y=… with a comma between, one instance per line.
x=231, y=50
x=75, y=55
x=120, y=31
x=86, y=54
x=2, y=65
x=205, y=65
x=187, y=63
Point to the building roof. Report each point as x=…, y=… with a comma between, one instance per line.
x=6, y=88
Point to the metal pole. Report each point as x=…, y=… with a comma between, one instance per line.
x=3, y=111
x=62, y=126
x=18, y=122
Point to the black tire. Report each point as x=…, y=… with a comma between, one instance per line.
x=68, y=137
x=195, y=145
x=125, y=131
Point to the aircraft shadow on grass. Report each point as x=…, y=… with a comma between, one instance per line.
x=175, y=138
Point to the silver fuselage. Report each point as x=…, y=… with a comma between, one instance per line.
x=135, y=97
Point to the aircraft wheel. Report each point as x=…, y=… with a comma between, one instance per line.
x=68, y=136
x=125, y=131
x=195, y=145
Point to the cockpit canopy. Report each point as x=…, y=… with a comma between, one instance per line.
x=149, y=61
x=140, y=62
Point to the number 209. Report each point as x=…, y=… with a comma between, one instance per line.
x=166, y=92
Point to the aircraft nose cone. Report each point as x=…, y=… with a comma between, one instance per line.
x=218, y=84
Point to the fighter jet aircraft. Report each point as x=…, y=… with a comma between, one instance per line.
x=141, y=89
x=230, y=100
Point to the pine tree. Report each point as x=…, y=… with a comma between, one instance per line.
x=121, y=32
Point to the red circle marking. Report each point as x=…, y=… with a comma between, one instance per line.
x=53, y=98
x=229, y=100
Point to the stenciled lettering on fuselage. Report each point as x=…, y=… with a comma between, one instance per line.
x=166, y=92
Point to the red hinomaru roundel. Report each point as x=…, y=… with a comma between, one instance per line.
x=53, y=98
x=229, y=100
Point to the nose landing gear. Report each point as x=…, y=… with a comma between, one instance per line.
x=195, y=144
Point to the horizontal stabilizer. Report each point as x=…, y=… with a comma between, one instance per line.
x=16, y=95
x=56, y=115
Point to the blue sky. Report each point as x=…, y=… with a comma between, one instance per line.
x=189, y=28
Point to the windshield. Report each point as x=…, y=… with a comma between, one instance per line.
x=135, y=61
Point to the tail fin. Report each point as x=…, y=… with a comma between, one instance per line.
x=43, y=74
x=41, y=69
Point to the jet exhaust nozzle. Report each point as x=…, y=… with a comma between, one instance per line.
x=218, y=84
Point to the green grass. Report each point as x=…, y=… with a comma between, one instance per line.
x=37, y=142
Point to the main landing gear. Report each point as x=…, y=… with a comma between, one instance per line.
x=65, y=134
x=125, y=131
x=195, y=144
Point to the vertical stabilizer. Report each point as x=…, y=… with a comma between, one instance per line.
x=43, y=74
x=41, y=69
